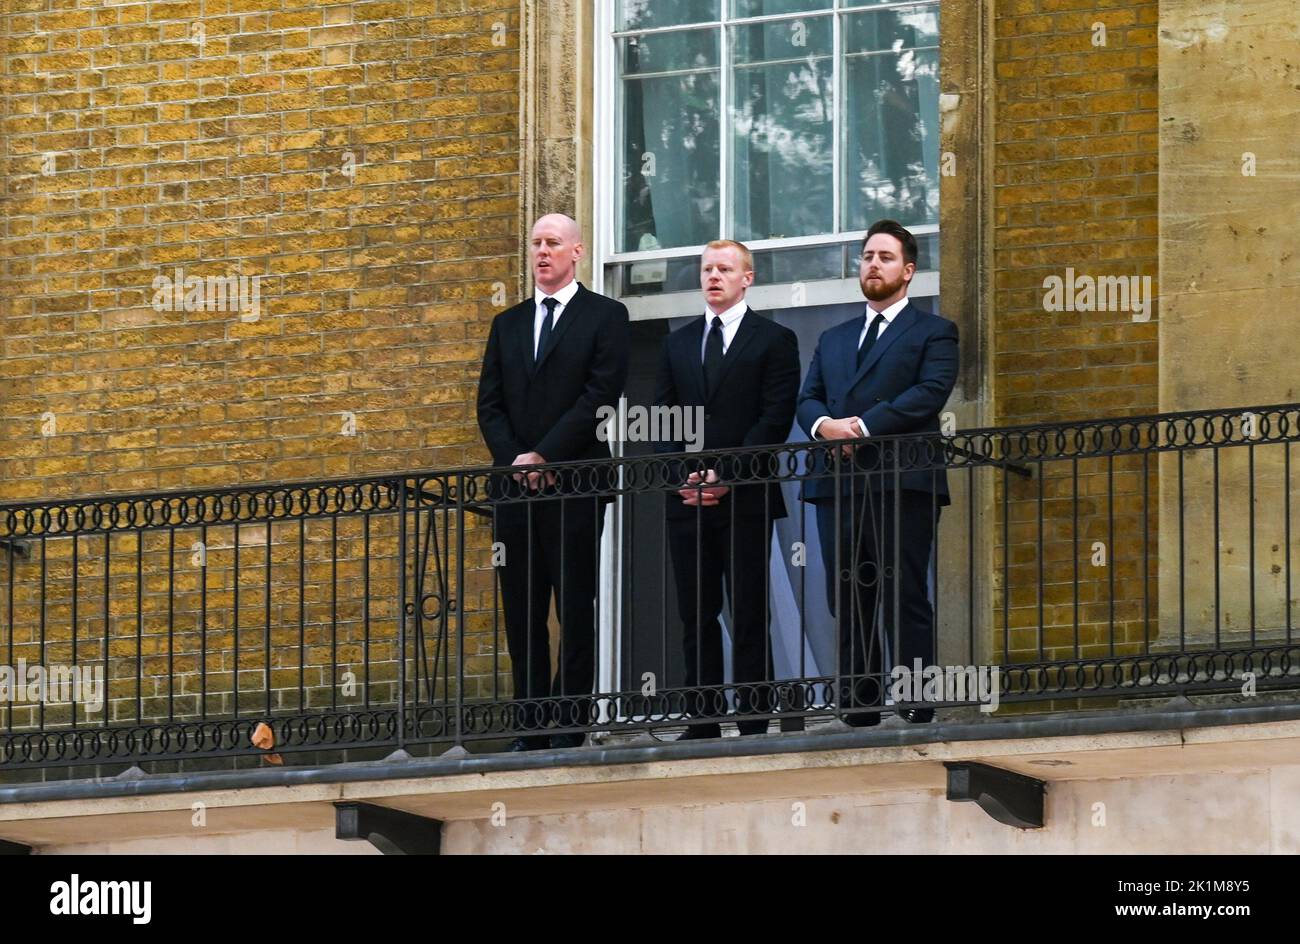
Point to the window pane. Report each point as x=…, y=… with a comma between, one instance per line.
x=912, y=27
x=669, y=52
x=743, y=8
x=647, y=14
x=670, y=144
x=927, y=252
x=657, y=276
x=781, y=125
x=891, y=120
x=777, y=266
x=771, y=267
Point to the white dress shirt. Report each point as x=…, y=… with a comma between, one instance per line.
x=869, y=316
x=730, y=325
x=563, y=296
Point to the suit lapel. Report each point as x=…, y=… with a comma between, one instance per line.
x=690, y=344
x=524, y=335
x=847, y=349
x=744, y=334
x=572, y=312
x=906, y=318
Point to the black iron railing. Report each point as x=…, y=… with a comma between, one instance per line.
x=1113, y=558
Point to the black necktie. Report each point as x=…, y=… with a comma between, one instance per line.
x=865, y=348
x=549, y=304
x=713, y=357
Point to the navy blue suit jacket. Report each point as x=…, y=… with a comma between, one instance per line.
x=901, y=388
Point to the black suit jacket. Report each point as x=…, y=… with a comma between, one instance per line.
x=753, y=406
x=550, y=408
x=902, y=386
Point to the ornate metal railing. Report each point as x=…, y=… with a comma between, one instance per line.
x=1114, y=557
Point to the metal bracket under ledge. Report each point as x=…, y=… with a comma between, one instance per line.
x=1010, y=798
x=392, y=832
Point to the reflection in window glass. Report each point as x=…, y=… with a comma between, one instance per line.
x=669, y=141
x=744, y=8
x=657, y=276
x=782, y=133
x=891, y=121
x=775, y=267
x=647, y=14
x=669, y=52
x=913, y=27
x=783, y=111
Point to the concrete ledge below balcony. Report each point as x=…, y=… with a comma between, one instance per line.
x=1174, y=778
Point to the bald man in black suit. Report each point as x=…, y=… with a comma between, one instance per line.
x=551, y=363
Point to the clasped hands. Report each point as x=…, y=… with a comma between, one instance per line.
x=700, y=493
x=692, y=494
x=532, y=480
x=845, y=428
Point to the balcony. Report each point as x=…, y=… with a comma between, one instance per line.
x=1089, y=579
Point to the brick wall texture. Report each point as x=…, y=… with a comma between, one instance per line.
x=360, y=158
x=1075, y=187
x=361, y=161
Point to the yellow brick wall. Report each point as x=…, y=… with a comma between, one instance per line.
x=1075, y=186
x=362, y=161
x=217, y=138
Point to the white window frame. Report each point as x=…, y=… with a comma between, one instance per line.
x=674, y=304
x=605, y=157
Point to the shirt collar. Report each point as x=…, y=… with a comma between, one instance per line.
x=565, y=295
x=890, y=313
x=731, y=315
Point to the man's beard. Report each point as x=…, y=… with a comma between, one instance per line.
x=881, y=290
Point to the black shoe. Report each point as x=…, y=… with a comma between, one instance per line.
x=752, y=727
x=917, y=715
x=559, y=741
x=698, y=731
x=865, y=719
x=533, y=743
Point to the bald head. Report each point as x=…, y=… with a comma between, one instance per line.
x=558, y=222
x=556, y=246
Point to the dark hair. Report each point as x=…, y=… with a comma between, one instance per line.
x=895, y=229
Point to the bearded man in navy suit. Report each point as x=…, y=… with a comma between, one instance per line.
x=886, y=372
